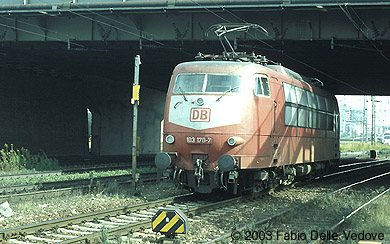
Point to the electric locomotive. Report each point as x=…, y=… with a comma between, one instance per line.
x=235, y=122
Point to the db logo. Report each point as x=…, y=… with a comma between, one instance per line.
x=200, y=115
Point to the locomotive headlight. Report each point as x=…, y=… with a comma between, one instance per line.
x=170, y=139
x=235, y=141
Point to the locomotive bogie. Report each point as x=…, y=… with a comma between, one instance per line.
x=239, y=126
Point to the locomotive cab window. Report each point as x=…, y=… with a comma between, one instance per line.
x=189, y=83
x=262, y=86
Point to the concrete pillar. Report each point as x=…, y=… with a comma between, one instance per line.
x=151, y=112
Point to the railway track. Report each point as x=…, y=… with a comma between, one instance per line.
x=88, y=167
x=73, y=170
x=80, y=161
x=130, y=222
x=45, y=189
x=354, y=167
x=198, y=216
x=105, y=167
x=314, y=221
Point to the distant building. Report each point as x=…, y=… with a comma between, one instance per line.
x=356, y=117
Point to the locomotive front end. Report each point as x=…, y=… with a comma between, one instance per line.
x=202, y=115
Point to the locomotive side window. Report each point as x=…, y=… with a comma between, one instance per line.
x=322, y=121
x=262, y=86
x=313, y=118
x=289, y=93
x=258, y=87
x=206, y=83
x=312, y=100
x=329, y=122
x=290, y=115
x=321, y=102
x=301, y=96
x=307, y=109
x=264, y=82
x=329, y=105
x=303, y=117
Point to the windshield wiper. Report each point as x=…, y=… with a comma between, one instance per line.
x=182, y=93
x=229, y=90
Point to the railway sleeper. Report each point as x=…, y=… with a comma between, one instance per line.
x=130, y=219
x=119, y=220
x=41, y=239
x=142, y=216
x=73, y=232
x=59, y=236
x=100, y=226
x=84, y=228
x=105, y=222
x=14, y=241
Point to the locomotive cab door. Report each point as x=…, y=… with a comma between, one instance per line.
x=276, y=117
x=265, y=117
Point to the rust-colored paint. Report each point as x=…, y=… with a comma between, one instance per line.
x=268, y=142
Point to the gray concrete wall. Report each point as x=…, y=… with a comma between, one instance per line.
x=112, y=117
x=49, y=113
x=41, y=113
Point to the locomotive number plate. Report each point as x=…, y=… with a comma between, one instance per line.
x=199, y=140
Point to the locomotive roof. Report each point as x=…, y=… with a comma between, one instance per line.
x=210, y=66
x=242, y=58
x=217, y=62
x=221, y=66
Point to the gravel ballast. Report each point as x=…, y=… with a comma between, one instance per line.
x=201, y=228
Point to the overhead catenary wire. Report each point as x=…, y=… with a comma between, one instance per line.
x=121, y=29
x=128, y=32
x=282, y=52
x=41, y=35
x=356, y=25
x=292, y=58
x=167, y=46
x=68, y=41
x=35, y=26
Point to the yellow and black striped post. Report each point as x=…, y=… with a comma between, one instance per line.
x=170, y=222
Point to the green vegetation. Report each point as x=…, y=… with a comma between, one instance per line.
x=14, y=161
x=64, y=177
x=319, y=215
x=374, y=218
x=381, y=149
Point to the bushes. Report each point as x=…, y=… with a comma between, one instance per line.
x=12, y=161
x=364, y=147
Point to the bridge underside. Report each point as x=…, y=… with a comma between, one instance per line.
x=54, y=65
x=344, y=45
x=345, y=67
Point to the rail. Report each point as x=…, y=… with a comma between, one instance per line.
x=237, y=233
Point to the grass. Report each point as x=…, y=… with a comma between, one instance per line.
x=13, y=161
x=374, y=218
x=21, y=160
x=381, y=149
x=362, y=146
x=87, y=175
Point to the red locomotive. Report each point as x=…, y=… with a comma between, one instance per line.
x=238, y=123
